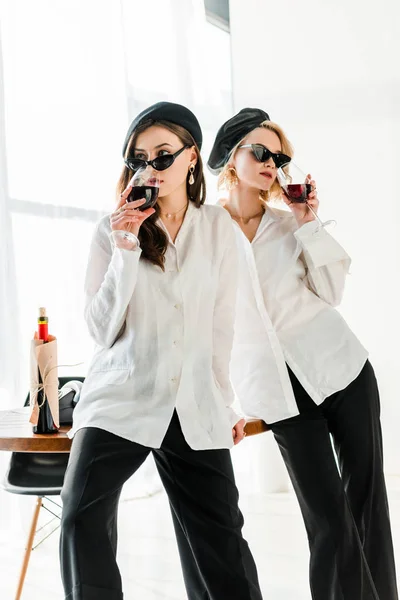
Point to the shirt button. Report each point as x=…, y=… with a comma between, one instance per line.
x=173, y=379
x=177, y=306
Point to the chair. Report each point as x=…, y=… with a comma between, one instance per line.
x=39, y=474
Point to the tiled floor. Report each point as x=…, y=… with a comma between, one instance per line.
x=148, y=556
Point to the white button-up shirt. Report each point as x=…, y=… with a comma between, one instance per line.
x=163, y=339
x=290, y=280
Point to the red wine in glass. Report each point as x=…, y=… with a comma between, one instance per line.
x=145, y=192
x=295, y=185
x=298, y=192
x=145, y=186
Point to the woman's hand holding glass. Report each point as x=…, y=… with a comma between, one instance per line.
x=304, y=212
x=128, y=219
x=299, y=193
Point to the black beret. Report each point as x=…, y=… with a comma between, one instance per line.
x=231, y=132
x=167, y=111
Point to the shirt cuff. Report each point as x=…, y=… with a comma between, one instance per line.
x=124, y=240
x=233, y=416
x=319, y=246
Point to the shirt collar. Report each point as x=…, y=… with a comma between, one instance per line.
x=271, y=214
x=191, y=212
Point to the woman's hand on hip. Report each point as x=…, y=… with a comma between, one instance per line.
x=238, y=432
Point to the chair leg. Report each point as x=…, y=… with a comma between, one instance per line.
x=28, y=548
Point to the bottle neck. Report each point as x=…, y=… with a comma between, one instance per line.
x=43, y=329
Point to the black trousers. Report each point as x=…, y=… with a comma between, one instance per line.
x=345, y=513
x=203, y=497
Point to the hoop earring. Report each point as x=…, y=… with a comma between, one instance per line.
x=191, y=178
x=266, y=196
x=232, y=179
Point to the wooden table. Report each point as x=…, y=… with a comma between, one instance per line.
x=255, y=426
x=16, y=433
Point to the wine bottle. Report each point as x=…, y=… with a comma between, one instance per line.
x=45, y=422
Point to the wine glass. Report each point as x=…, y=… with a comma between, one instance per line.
x=296, y=186
x=145, y=185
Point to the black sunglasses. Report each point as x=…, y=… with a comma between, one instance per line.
x=160, y=163
x=262, y=154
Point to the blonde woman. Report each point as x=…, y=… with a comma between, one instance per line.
x=297, y=365
x=159, y=291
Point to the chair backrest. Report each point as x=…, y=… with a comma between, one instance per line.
x=38, y=473
x=61, y=382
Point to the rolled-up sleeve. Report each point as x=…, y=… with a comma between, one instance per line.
x=110, y=281
x=327, y=263
x=224, y=316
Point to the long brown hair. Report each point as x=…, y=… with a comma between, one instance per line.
x=153, y=239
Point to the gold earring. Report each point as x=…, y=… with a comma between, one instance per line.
x=231, y=178
x=265, y=195
x=191, y=178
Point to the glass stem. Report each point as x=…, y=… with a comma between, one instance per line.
x=315, y=214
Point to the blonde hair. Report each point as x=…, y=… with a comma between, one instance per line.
x=227, y=179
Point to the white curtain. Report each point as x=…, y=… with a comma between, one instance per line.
x=9, y=358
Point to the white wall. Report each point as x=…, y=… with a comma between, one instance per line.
x=328, y=73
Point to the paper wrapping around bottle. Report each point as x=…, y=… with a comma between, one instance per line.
x=44, y=359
